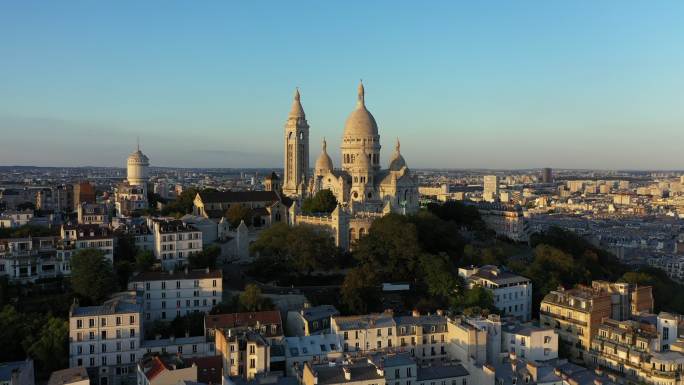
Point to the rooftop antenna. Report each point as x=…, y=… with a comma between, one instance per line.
x=138, y=143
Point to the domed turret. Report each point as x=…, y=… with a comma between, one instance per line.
x=360, y=122
x=360, y=133
x=397, y=162
x=324, y=164
x=297, y=111
x=136, y=167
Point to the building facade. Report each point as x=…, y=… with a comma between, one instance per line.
x=167, y=295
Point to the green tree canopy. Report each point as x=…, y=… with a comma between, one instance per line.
x=360, y=292
x=92, y=275
x=144, y=261
x=391, y=247
x=323, y=201
x=252, y=300
x=206, y=258
x=51, y=348
x=304, y=247
x=237, y=213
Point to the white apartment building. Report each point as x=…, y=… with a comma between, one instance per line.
x=107, y=337
x=28, y=259
x=13, y=219
x=512, y=293
x=170, y=294
x=92, y=214
x=174, y=241
x=423, y=336
x=79, y=237
x=530, y=342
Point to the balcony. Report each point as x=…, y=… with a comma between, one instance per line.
x=563, y=318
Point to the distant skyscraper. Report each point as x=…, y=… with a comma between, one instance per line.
x=491, y=188
x=547, y=176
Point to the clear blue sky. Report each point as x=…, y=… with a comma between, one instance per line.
x=492, y=84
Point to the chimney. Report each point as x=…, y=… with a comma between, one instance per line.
x=347, y=373
x=598, y=382
x=512, y=356
x=415, y=313
x=440, y=312
x=598, y=371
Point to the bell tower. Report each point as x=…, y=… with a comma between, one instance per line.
x=296, y=165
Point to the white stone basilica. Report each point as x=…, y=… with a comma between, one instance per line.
x=363, y=190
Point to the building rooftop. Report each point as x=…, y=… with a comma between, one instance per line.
x=238, y=196
x=177, y=275
x=7, y=368
x=359, y=371
x=440, y=371
x=68, y=376
x=376, y=320
x=246, y=319
x=119, y=303
x=313, y=345
x=319, y=312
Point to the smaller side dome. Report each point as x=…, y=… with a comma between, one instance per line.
x=397, y=162
x=324, y=163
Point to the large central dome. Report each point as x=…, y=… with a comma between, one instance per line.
x=360, y=122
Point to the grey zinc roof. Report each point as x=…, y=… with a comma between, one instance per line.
x=319, y=312
x=360, y=371
x=120, y=303
x=378, y=320
x=6, y=369
x=440, y=371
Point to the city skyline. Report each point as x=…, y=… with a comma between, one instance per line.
x=579, y=85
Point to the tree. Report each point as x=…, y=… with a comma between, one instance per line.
x=436, y=235
x=272, y=241
x=323, y=201
x=237, y=213
x=205, y=259
x=476, y=297
x=191, y=324
x=144, y=261
x=438, y=276
x=12, y=332
x=310, y=249
x=125, y=249
x=360, y=292
x=252, y=300
x=391, y=247
x=50, y=349
x=182, y=205
x=123, y=270
x=92, y=275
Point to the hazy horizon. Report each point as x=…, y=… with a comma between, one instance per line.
x=496, y=85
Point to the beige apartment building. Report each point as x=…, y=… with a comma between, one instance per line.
x=423, y=336
x=577, y=313
x=244, y=352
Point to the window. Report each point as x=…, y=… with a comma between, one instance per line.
x=91, y=322
x=213, y=283
x=118, y=321
x=79, y=324
x=131, y=333
x=252, y=363
x=104, y=334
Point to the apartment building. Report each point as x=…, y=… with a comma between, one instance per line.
x=175, y=293
x=506, y=220
x=575, y=314
x=245, y=352
x=14, y=219
x=28, y=259
x=79, y=237
x=106, y=338
x=365, y=333
x=174, y=241
x=512, y=293
x=164, y=369
x=92, y=214
x=315, y=348
x=187, y=346
x=394, y=369
x=69, y=376
x=634, y=350
x=310, y=320
x=423, y=336
x=269, y=324
x=530, y=342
